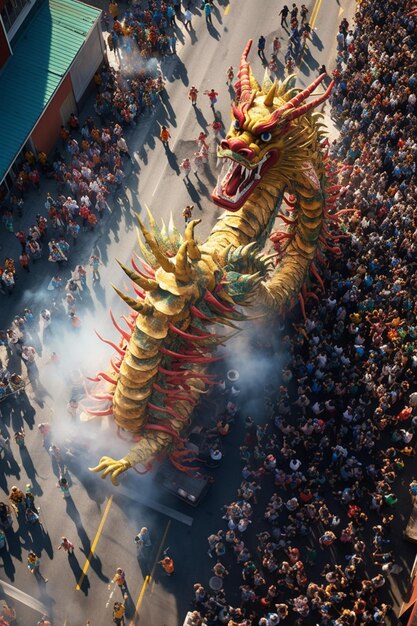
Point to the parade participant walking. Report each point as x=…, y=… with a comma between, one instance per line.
x=217, y=127
x=119, y=613
x=261, y=49
x=64, y=487
x=192, y=95
x=284, y=14
x=212, y=96
x=19, y=437
x=33, y=565
x=185, y=167
x=187, y=19
x=201, y=141
x=30, y=498
x=17, y=499
x=45, y=430
x=208, y=9
x=56, y=455
x=187, y=212
x=230, y=74
x=66, y=545
x=120, y=579
x=95, y=264
x=143, y=538
x=168, y=565
x=165, y=136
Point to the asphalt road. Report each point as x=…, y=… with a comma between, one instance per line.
x=99, y=519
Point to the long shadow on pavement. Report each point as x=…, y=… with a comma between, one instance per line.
x=95, y=562
x=30, y=470
x=77, y=571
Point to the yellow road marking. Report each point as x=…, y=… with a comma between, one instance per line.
x=315, y=12
x=149, y=578
x=341, y=11
x=227, y=9
x=95, y=542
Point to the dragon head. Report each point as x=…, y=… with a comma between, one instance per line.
x=254, y=148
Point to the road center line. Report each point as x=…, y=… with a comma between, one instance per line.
x=315, y=13
x=95, y=542
x=150, y=576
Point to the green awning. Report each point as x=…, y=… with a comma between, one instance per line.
x=43, y=52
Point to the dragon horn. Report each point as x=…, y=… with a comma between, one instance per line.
x=243, y=73
x=148, y=284
x=151, y=219
x=310, y=105
x=165, y=263
x=296, y=100
x=145, y=309
x=193, y=249
x=182, y=266
x=224, y=254
x=269, y=98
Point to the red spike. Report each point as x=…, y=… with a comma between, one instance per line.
x=112, y=344
x=124, y=334
x=208, y=297
x=164, y=429
x=190, y=359
x=146, y=267
x=135, y=267
x=312, y=295
x=167, y=410
x=115, y=366
x=108, y=411
x=286, y=220
x=104, y=396
x=317, y=276
x=168, y=372
x=186, y=335
x=169, y=392
x=310, y=105
x=199, y=314
x=130, y=325
x=281, y=236
x=139, y=292
x=322, y=259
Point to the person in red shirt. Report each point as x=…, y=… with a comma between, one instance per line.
x=212, y=96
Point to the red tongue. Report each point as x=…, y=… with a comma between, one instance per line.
x=234, y=181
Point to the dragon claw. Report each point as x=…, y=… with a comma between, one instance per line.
x=108, y=466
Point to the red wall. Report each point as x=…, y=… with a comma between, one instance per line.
x=4, y=48
x=46, y=132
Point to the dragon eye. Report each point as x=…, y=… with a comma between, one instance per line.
x=266, y=136
x=236, y=125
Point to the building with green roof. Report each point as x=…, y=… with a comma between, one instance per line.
x=47, y=61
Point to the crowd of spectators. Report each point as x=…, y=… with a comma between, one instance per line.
x=343, y=422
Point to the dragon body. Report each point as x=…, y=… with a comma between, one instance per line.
x=274, y=170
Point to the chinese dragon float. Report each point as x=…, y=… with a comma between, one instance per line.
x=275, y=169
